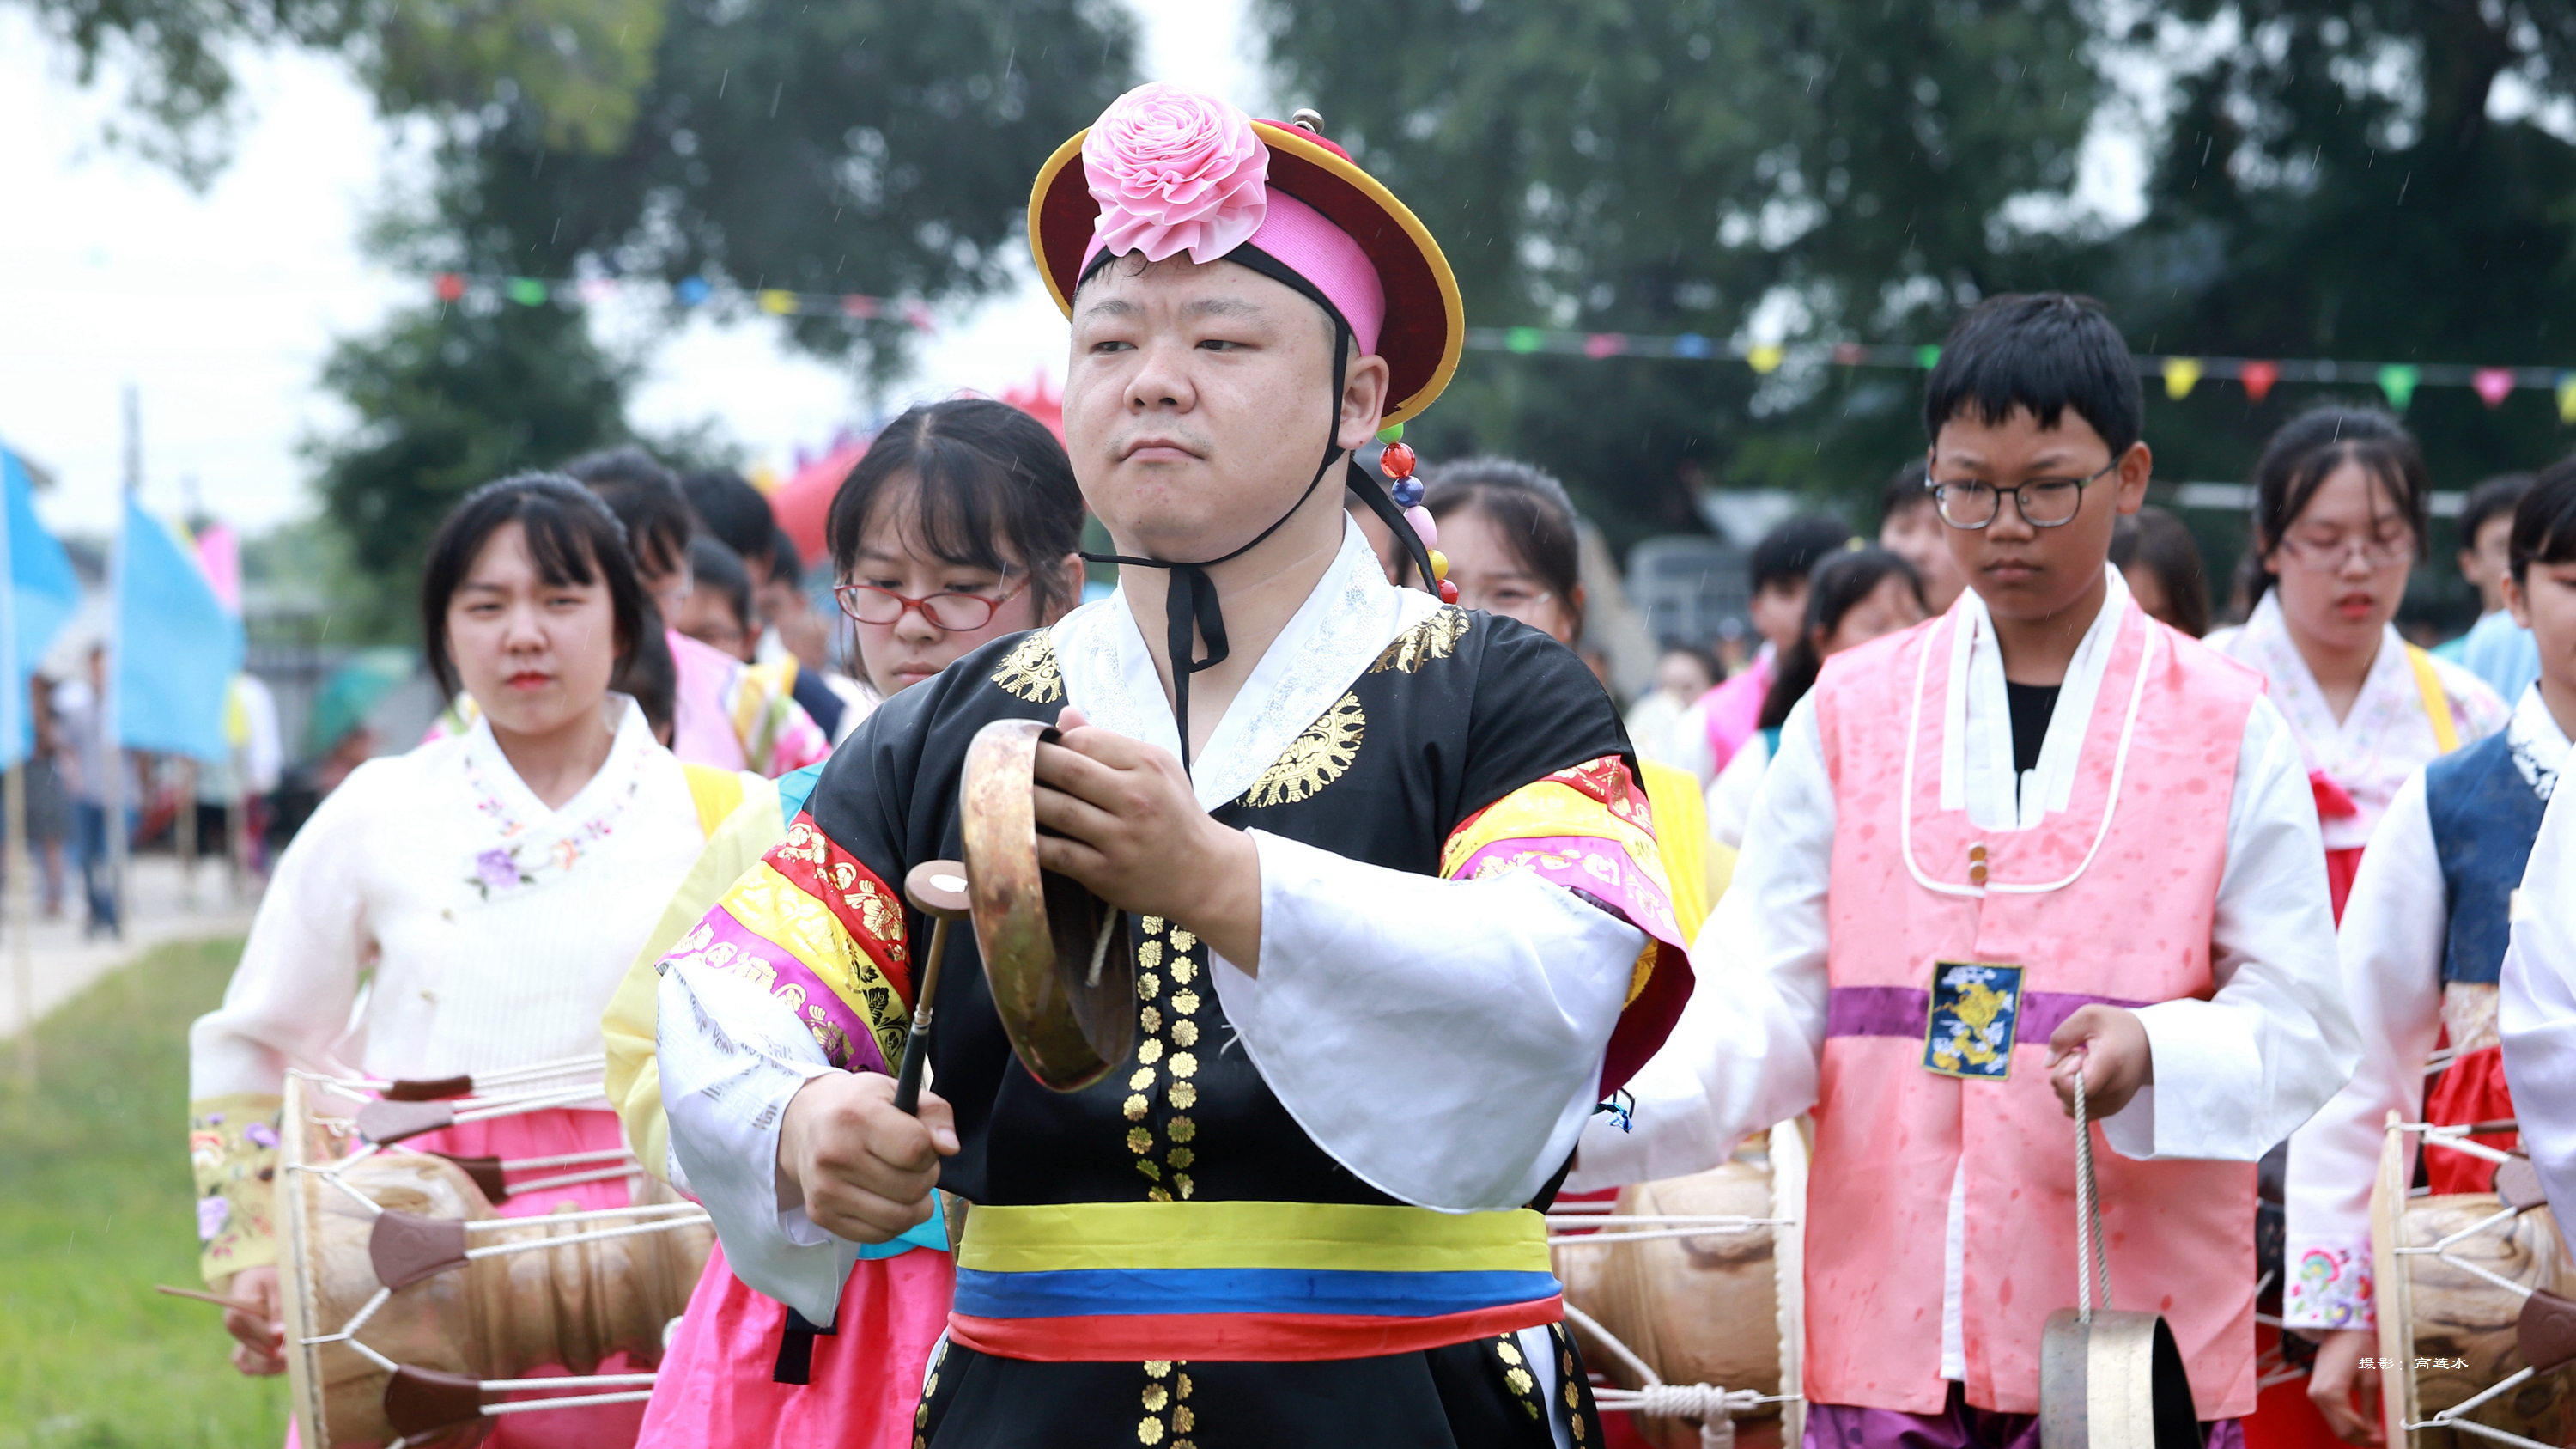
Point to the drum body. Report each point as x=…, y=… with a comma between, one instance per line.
x=2435, y=1314
x=1718, y=1308
x=494, y=1317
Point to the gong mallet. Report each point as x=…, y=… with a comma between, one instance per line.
x=937, y=889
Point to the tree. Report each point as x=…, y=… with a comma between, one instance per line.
x=449, y=398
x=859, y=147
x=1669, y=166
x=2371, y=182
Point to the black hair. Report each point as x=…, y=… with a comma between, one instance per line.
x=731, y=509
x=646, y=497
x=991, y=489
x=1904, y=491
x=2165, y=545
x=2045, y=351
x=572, y=539
x=2544, y=522
x=1788, y=553
x=1838, y=584
x=1531, y=512
x=2307, y=451
x=2494, y=498
x=714, y=566
x=786, y=561
x=652, y=676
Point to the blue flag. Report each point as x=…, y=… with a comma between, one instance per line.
x=177, y=647
x=43, y=596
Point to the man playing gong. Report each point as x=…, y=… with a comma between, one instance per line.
x=1392, y=906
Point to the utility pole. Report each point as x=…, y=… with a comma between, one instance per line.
x=111, y=728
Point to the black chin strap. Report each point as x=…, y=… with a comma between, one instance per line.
x=1190, y=602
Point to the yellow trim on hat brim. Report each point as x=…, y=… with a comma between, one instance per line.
x=1302, y=148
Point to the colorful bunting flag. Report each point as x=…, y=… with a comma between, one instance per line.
x=526, y=291
x=2494, y=384
x=777, y=303
x=2567, y=398
x=1524, y=339
x=2258, y=378
x=451, y=287
x=1691, y=344
x=2398, y=380
x=1604, y=344
x=1766, y=357
x=2182, y=374
x=1927, y=356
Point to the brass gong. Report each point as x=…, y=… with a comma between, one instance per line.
x=1058, y=958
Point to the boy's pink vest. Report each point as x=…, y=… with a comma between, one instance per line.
x=2124, y=921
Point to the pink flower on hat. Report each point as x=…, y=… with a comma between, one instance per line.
x=1175, y=171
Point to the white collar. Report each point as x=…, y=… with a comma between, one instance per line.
x=1980, y=779
x=2539, y=746
x=505, y=800
x=1345, y=623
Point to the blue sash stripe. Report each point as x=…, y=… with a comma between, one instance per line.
x=1126, y=1292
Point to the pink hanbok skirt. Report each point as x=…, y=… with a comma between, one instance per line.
x=716, y=1388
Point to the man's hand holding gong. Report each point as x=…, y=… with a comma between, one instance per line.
x=1118, y=815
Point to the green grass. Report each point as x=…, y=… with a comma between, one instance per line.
x=95, y=1209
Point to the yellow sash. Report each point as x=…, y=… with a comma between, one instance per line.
x=2437, y=705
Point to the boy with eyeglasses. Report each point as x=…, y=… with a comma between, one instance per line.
x=2037, y=836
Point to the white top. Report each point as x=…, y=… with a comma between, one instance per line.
x=2385, y=736
x=406, y=872
x=1483, y=1006
x=2394, y=929
x=2234, y=1075
x=2537, y=1013
x=1732, y=796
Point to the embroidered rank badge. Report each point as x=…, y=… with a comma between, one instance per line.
x=1976, y=1008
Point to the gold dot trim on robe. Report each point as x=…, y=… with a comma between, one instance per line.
x=1169, y=1416
x=1029, y=671
x=1517, y=1377
x=1164, y=1063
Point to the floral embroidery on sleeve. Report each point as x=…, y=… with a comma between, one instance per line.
x=232, y=1146
x=2329, y=1286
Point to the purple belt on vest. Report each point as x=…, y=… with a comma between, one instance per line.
x=1902, y=1011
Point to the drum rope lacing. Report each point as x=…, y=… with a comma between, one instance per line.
x=2455, y=1139
x=666, y=1217
x=1714, y=1406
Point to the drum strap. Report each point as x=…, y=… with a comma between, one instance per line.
x=2091, y=1257
x=796, y=1350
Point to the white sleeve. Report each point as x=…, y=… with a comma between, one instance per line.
x=1730, y=800
x=291, y=995
x=2537, y=1013
x=2237, y=1074
x=1745, y=1053
x=1442, y=1039
x=1687, y=740
x=2393, y=930
x=731, y=1056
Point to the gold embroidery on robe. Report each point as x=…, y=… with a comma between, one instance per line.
x=1434, y=638
x=1314, y=759
x=1029, y=671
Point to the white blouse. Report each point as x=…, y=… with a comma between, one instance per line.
x=2394, y=930
x=2385, y=736
x=435, y=918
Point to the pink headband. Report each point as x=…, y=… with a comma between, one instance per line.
x=1175, y=171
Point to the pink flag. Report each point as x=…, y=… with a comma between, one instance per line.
x=219, y=554
x=2493, y=384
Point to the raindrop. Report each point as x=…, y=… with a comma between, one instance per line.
x=775, y=92
x=722, y=81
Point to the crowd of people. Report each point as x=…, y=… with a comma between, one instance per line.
x=1993, y=829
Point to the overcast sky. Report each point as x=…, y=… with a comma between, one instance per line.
x=220, y=308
